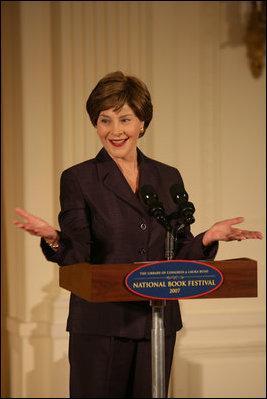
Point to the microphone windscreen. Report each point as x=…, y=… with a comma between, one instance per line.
x=148, y=193
x=178, y=193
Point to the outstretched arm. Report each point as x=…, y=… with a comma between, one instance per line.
x=223, y=231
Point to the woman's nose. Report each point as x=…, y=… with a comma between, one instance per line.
x=117, y=129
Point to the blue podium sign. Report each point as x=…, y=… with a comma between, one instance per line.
x=174, y=279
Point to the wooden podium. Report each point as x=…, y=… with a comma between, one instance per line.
x=106, y=283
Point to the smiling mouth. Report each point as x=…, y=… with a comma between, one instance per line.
x=118, y=143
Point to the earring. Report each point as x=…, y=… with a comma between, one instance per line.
x=142, y=131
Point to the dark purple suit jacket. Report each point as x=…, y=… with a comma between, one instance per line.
x=103, y=221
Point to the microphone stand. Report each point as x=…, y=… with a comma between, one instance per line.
x=156, y=210
x=158, y=330
x=158, y=348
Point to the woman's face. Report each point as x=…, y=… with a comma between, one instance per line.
x=119, y=132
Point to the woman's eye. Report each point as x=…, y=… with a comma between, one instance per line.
x=126, y=120
x=105, y=121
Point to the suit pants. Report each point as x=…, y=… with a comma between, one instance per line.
x=113, y=367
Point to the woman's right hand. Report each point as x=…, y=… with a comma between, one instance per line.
x=36, y=226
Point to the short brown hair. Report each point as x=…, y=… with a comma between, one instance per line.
x=114, y=90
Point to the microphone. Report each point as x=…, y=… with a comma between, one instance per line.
x=155, y=207
x=185, y=208
x=178, y=193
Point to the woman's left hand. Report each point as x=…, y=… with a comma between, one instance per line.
x=223, y=231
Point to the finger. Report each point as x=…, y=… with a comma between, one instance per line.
x=250, y=234
x=22, y=212
x=254, y=234
x=259, y=235
x=28, y=228
x=18, y=223
x=244, y=235
x=235, y=220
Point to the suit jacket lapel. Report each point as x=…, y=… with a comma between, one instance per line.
x=114, y=180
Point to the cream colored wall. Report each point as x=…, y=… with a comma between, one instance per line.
x=209, y=122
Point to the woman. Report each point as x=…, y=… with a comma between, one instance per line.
x=103, y=219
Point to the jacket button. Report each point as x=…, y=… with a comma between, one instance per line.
x=142, y=251
x=143, y=226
